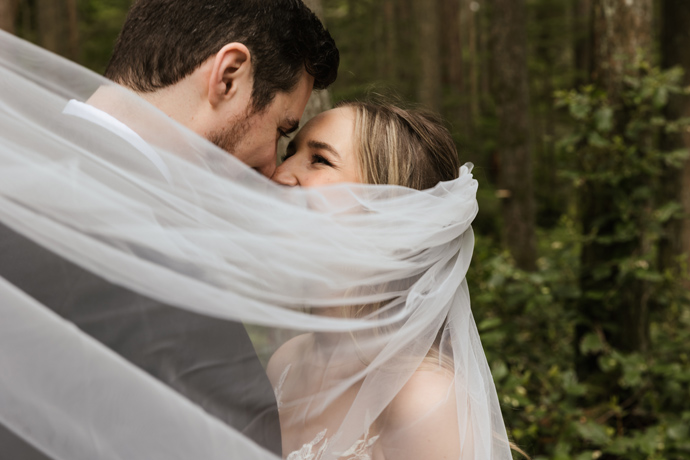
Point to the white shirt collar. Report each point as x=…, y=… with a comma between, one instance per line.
x=107, y=121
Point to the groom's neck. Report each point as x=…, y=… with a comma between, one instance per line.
x=151, y=125
x=177, y=101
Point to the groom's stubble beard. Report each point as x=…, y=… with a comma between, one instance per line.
x=229, y=137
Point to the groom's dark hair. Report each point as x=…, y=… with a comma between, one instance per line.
x=163, y=41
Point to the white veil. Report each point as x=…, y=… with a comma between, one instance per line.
x=371, y=273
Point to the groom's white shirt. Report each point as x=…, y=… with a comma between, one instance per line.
x=112, y=124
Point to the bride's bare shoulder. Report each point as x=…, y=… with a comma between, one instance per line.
x=428, y=391
x=286, y=354
x=422, y=421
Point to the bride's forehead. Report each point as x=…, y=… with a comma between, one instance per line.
x=338, y=120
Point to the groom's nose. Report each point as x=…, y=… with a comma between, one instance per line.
x=267, y=169
x=264, y=161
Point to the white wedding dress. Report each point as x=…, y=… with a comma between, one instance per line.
x=217, y=239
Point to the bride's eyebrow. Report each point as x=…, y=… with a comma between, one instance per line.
x=318, y=145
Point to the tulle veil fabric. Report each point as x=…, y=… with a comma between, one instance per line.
x=218, y=239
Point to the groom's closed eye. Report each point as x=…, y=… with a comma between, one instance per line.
x=288, y=127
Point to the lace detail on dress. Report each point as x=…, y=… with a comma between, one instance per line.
x=278, y=390
x=307, y=450
x=361, y=450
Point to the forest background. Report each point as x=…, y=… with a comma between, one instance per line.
x=575, y=114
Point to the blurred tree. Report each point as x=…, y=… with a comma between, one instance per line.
x=391, y=40
x=468, y=21
x=8, y=15
x=57, y=27
x=551, y=67
x=429, y=85
x=100, y=22
x=582, y=12
x=73, y=29
x=675, y=43
x=510, y=88
x=455, y=97
x=621, y=31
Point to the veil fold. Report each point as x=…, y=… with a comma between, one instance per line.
x=373, y=275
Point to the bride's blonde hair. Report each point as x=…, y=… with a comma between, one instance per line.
x=396, y=146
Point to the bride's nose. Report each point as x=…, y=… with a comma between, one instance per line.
x=283, y=175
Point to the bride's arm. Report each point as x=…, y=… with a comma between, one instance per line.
x=422, y=421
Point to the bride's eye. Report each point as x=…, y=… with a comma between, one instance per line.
x=320, y=159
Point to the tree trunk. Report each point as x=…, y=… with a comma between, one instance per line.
x=73, y=29
x=675, y=41
x=483, y=32
x=52, y=25
x=8, y=15
x=510, y=88
x=408, y=75
x=58, y=27
x=429, y=89
x=582, y=20
x=391, y=56
x=454, y=71
x=621, y=30
x=469, y=18
x=452, y=40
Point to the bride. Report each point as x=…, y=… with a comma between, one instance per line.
x=375, y=144
x=363, y=266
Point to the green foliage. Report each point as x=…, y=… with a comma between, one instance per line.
x=620, y=175
x=528, y=321
x=99, y=25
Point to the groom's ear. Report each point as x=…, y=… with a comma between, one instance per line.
x=231, y=73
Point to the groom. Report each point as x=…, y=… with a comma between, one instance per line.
x=241, y=80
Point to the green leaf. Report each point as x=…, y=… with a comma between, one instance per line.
x=489, y=323
x=499, y=370
x=591, y=343
x=580, y=108
x=649, y=441
x=678, y=431
x=571, y=384
x=596, y=140
x=586, y=455
x=592, y=432
x=661, y=97
x=603, y=119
